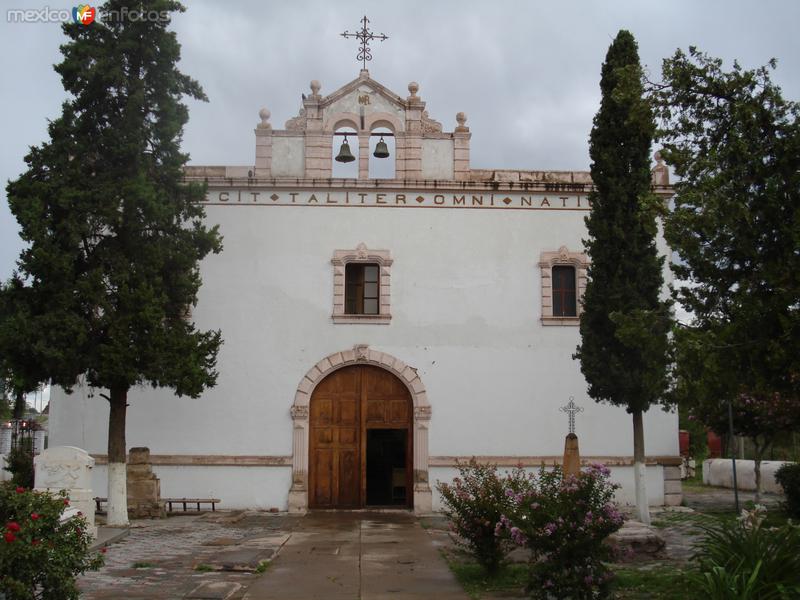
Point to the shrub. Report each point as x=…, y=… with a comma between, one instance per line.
x=563, y=521
x=746, y=560
x=473, y=504
x=39, y=556
x=789, y=478
x=20, y=465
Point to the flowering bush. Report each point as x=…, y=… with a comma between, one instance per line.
x=474, y=503
x=39, y=556
x=563, y=522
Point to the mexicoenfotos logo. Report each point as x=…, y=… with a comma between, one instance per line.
x=84, y=14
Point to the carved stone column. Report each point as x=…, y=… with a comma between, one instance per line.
x=423, y=499
x=363, y=155
x=298, y=493
x=263, y=145
x=461, y=137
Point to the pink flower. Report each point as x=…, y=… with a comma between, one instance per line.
x=20, y=490
x=34, y=516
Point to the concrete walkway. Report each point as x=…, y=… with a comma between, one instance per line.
x=357, y=556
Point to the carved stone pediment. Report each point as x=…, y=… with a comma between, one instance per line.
x=297, y=123
x=430, y=125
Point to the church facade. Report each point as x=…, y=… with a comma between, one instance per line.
x=378, y=330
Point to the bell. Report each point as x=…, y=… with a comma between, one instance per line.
x=381, y=149
x=345, y=156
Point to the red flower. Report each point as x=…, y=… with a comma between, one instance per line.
x=20, y=490
x=34, y=542
x=103, y=550
x=80, y=514
x=66, y=502
x=13, y=526
x=9, y=537
x=34, y=516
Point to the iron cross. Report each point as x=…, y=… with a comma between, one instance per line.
x=571, y=409
x=365, y=36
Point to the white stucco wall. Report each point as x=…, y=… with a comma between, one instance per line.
x=237, y=487
x=466, y=305
x=437, y=159
x=288, y=156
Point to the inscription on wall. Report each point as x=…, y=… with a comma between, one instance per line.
x=399, y=199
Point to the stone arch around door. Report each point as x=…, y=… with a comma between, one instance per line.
x=360, y=354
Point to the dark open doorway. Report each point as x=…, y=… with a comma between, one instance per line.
x=386, y=467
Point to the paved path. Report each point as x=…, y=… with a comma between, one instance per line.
x=357, y=556
x=325, y=555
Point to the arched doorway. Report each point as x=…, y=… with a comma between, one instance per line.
x=360, y=440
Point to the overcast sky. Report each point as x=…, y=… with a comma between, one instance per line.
x=526, y=73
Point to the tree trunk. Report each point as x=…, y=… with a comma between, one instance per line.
x=117, y=470
x=639, y=478
x=19, y=404
x=758, y=453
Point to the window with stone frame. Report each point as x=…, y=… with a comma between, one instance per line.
x=362, y=285
x=564, y=299
x=563, y=284
x=361, y=292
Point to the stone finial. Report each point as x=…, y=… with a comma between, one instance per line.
x=413, y=88
x=660, y=171
x=264, y=114
x=461, y=119
x=315, y=87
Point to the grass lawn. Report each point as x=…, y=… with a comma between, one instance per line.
x=642, y=582
x=479, y=585
x=661, y=582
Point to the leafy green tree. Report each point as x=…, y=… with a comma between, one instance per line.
x=734, y=141
x=20, y=367
x=114, y=234
x=624, y=323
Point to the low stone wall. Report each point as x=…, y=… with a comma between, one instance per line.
x=718, y=471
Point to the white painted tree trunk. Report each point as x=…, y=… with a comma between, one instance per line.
x=639, y=477
x=639, y=482
x=117, y=494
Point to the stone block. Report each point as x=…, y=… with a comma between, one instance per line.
x=673, y=499
x=69, y=469
x=63, y=468
x=672, y=472
x=639, y=541
x=144, y=488
x=672, y=486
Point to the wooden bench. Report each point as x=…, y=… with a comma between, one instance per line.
x=198, y=501
x=170, y=501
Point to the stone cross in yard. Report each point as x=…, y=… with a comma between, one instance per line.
x=571, y=464
x=571, y=409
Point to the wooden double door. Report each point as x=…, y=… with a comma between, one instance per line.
x=360, y=440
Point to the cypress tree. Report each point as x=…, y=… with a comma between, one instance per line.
x=114, y=234
x=623, y=323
